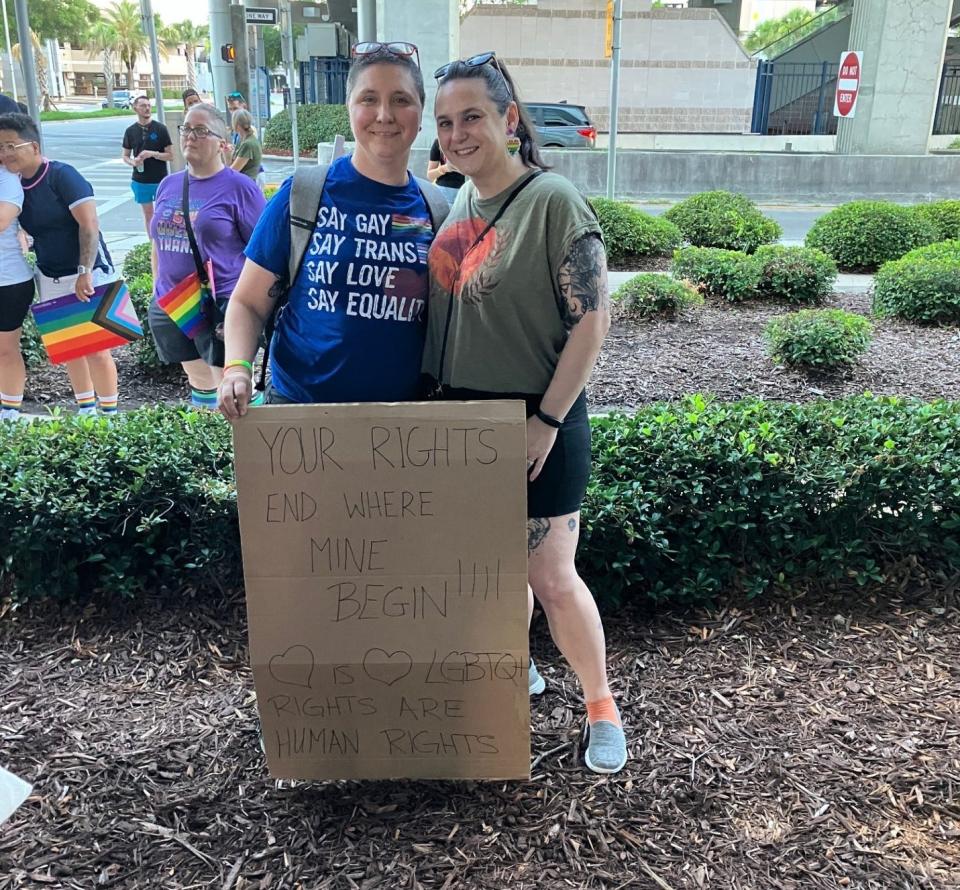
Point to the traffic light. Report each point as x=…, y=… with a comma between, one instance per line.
x=228, y=52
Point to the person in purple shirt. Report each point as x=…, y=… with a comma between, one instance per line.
x=224, y=208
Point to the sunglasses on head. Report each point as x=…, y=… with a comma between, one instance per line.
x=402, y=49
x=474, y=62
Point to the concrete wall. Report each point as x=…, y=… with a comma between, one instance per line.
x=682, y=71
x=767, y=177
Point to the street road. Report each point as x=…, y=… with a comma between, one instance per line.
x=94, y=148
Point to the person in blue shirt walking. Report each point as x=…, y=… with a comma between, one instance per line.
x=353, y=327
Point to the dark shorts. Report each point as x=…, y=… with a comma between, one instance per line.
x=173, y=346
x=562, y=483
x=15, y=300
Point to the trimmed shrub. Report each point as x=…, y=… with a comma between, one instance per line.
x=923, y=286
x=144, y=351
x=799, y=275
x=943, y=215
x=137, y=262
x=630, y=235
x=723, y=219
x=142, y=501
x=315, y=123
x=728, y=274
x=818, y=339
x=697, y=500
x=862, y=235
x=689, y=501
x=651, y=295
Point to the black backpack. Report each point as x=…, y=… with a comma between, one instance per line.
x=306, y=192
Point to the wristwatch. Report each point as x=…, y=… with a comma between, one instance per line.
x=82, y=270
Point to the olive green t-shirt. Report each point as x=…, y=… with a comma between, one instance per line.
x=250, y=148
x=506, y=326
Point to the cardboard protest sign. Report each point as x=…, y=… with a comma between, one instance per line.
x=384, y=552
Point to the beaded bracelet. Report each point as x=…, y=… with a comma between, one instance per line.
x=239, y=363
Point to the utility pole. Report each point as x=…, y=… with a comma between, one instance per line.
x=28, y=62
x=286, y=44
x=6, y=37
x=614, y=98
x=149, y=28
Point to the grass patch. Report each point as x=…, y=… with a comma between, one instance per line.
x=85, y=115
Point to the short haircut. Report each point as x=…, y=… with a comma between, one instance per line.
x=21, y=124
x=187, y=93
x=385, y=57
x=141, y=96
x=214, y=114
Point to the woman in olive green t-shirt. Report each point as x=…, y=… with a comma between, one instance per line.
x=248, y=154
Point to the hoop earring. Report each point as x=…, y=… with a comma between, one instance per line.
x=513, y=143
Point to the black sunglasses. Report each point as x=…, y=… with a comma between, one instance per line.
x=475, y=62
x=400, y=48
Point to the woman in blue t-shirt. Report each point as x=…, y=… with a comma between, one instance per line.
x=352, y=327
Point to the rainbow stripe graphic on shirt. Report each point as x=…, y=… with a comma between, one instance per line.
x=410, y=225
x=71, y=328
x=183, y=304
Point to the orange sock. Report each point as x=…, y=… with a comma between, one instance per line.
x=603, y=709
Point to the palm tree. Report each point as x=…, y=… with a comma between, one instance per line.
x=124, y=18
x=102, y=38
x=190, y=36
x=39, y=58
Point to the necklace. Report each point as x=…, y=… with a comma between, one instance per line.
x=35, y=183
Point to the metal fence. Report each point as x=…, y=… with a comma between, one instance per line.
x=794, y=99
x=946, y=120
x=323, y=81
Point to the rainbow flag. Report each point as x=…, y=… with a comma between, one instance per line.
x=410, y=225
x=183, y=304
x=71, y=328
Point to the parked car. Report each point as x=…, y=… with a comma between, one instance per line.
x=561, y=125
x=121, y=99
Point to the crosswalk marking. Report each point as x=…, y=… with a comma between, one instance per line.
x=111, y=183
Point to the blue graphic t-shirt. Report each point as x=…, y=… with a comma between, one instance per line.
x=353, y=328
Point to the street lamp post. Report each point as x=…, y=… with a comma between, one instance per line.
x=150, y=29
x=614, y=99
x=28, y=61
x=6, y=37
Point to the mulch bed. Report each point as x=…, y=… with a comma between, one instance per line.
x=797, y=743
x=717, y=349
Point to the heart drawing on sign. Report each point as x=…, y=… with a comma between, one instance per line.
x=387, y=667
x=293, y=667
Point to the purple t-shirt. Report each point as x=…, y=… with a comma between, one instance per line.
x=224, y=208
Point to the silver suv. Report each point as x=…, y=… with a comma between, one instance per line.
x=561, y=125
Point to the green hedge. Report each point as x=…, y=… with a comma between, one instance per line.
x=652, y=295
x=631, y=235
x=818, y=339
x=687, y=501
x=693, y=500
x=943, y=215
x=723, y=219
x=727, y=274
x=315, y=123
x=862, y=235
x=798, y=275
x=137, y=262
x=143, y=501
x=923, y=286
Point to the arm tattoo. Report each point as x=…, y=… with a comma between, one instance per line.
x=89, y=245
x=582, y=280
x=277, y=289
x=537, y=530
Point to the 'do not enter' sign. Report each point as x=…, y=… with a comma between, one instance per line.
x=848, y=84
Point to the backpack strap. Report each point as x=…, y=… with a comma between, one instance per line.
x=305, y=194
x=437, y=204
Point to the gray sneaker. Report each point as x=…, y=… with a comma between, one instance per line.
x=536, y=683
x=605, y=747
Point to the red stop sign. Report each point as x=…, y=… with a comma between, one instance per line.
x=848, y=83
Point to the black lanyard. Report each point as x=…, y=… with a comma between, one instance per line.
x=456, y=278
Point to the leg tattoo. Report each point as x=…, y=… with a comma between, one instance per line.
x=537, y=530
